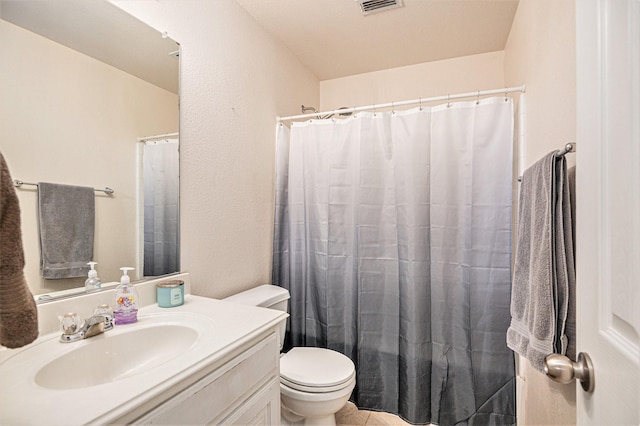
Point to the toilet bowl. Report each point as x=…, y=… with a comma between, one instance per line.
x=315, y=383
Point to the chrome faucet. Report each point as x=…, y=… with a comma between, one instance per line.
x=74, y=329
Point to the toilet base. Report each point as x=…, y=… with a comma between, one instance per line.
x=313, y=409
x=321, y=421
x=292, y=419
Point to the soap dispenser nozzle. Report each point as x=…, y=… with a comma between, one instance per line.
x=125, y=279
x=92, y=271
x=92, y=283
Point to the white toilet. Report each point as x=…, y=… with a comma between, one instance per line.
x=315, y=383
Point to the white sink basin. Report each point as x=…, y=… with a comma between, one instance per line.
x=157, y=342
x=110, y=357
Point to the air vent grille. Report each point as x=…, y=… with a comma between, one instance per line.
x=374, y=6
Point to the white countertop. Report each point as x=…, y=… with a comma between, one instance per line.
x=228, y=326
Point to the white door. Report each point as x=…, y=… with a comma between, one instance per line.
x=608, y=208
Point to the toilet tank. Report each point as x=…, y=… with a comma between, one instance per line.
x=265, y=296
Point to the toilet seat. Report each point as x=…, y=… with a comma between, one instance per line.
x=316, y=370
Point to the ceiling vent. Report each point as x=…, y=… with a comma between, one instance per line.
x=374, y=6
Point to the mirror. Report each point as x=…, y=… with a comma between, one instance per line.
x=81, y=82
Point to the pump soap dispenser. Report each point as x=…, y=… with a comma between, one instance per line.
x=93, y=282
x=126, y=311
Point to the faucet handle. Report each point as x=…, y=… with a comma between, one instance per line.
x=106, y=312
x=70, y=323
x=103, y=310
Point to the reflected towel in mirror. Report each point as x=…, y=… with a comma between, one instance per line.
x=66, y=220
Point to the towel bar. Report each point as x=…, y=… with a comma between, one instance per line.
x=18, y=183
x=569, y=147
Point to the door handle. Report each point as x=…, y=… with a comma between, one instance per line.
x=561, y=369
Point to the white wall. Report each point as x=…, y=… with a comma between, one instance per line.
x=541, y=52
x=59, y=110
x=235, y=79
x=458, y=75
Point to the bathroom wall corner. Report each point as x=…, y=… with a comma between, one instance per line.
x=541, y=53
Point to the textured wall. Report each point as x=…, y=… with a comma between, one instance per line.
x=541, y=52
x=235, y=79
x=458, y=75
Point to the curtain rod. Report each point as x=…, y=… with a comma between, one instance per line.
x=150, y=138
x=18, y=183
x=404, y=103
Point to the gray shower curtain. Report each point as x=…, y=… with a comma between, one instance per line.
x=161, y=183
x=393, y=236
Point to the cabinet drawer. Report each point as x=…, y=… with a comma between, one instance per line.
x=224, y=390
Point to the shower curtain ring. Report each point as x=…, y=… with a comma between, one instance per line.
x=374, y=110
x=506, y=99
x=448, y=100
x=478, y=98
x=420, y=103
x=393, y=109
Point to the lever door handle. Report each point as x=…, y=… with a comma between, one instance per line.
x=561, y=369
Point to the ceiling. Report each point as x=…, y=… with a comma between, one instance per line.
x=333, y=39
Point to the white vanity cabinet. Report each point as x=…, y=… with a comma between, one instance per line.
x=243, y=391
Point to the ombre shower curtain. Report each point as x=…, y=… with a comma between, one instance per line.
x=393, y=236
x=161, y=184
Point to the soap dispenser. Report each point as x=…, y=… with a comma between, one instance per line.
x=126, y=310
x=93, y=282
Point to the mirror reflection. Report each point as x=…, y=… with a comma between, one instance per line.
x=90, y=98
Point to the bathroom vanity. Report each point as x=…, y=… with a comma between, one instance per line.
x=244, y=390
x=205, y=362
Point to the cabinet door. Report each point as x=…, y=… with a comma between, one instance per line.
x=223, y=392
x=263, y=408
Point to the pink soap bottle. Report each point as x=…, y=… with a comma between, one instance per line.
x=126, y=300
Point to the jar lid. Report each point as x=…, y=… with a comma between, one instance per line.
x=170, y=284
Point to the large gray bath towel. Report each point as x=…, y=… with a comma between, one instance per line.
x=18, y=313
x=67, y=221
x=543, y=292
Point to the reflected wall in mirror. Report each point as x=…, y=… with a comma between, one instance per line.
x=81, y=82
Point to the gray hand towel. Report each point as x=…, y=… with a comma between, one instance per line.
x=543, y=290
x=66, y=216
x=18, y=313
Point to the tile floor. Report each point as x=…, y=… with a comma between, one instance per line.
x=351, y=416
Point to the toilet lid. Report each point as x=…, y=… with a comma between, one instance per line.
x=316, y=368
